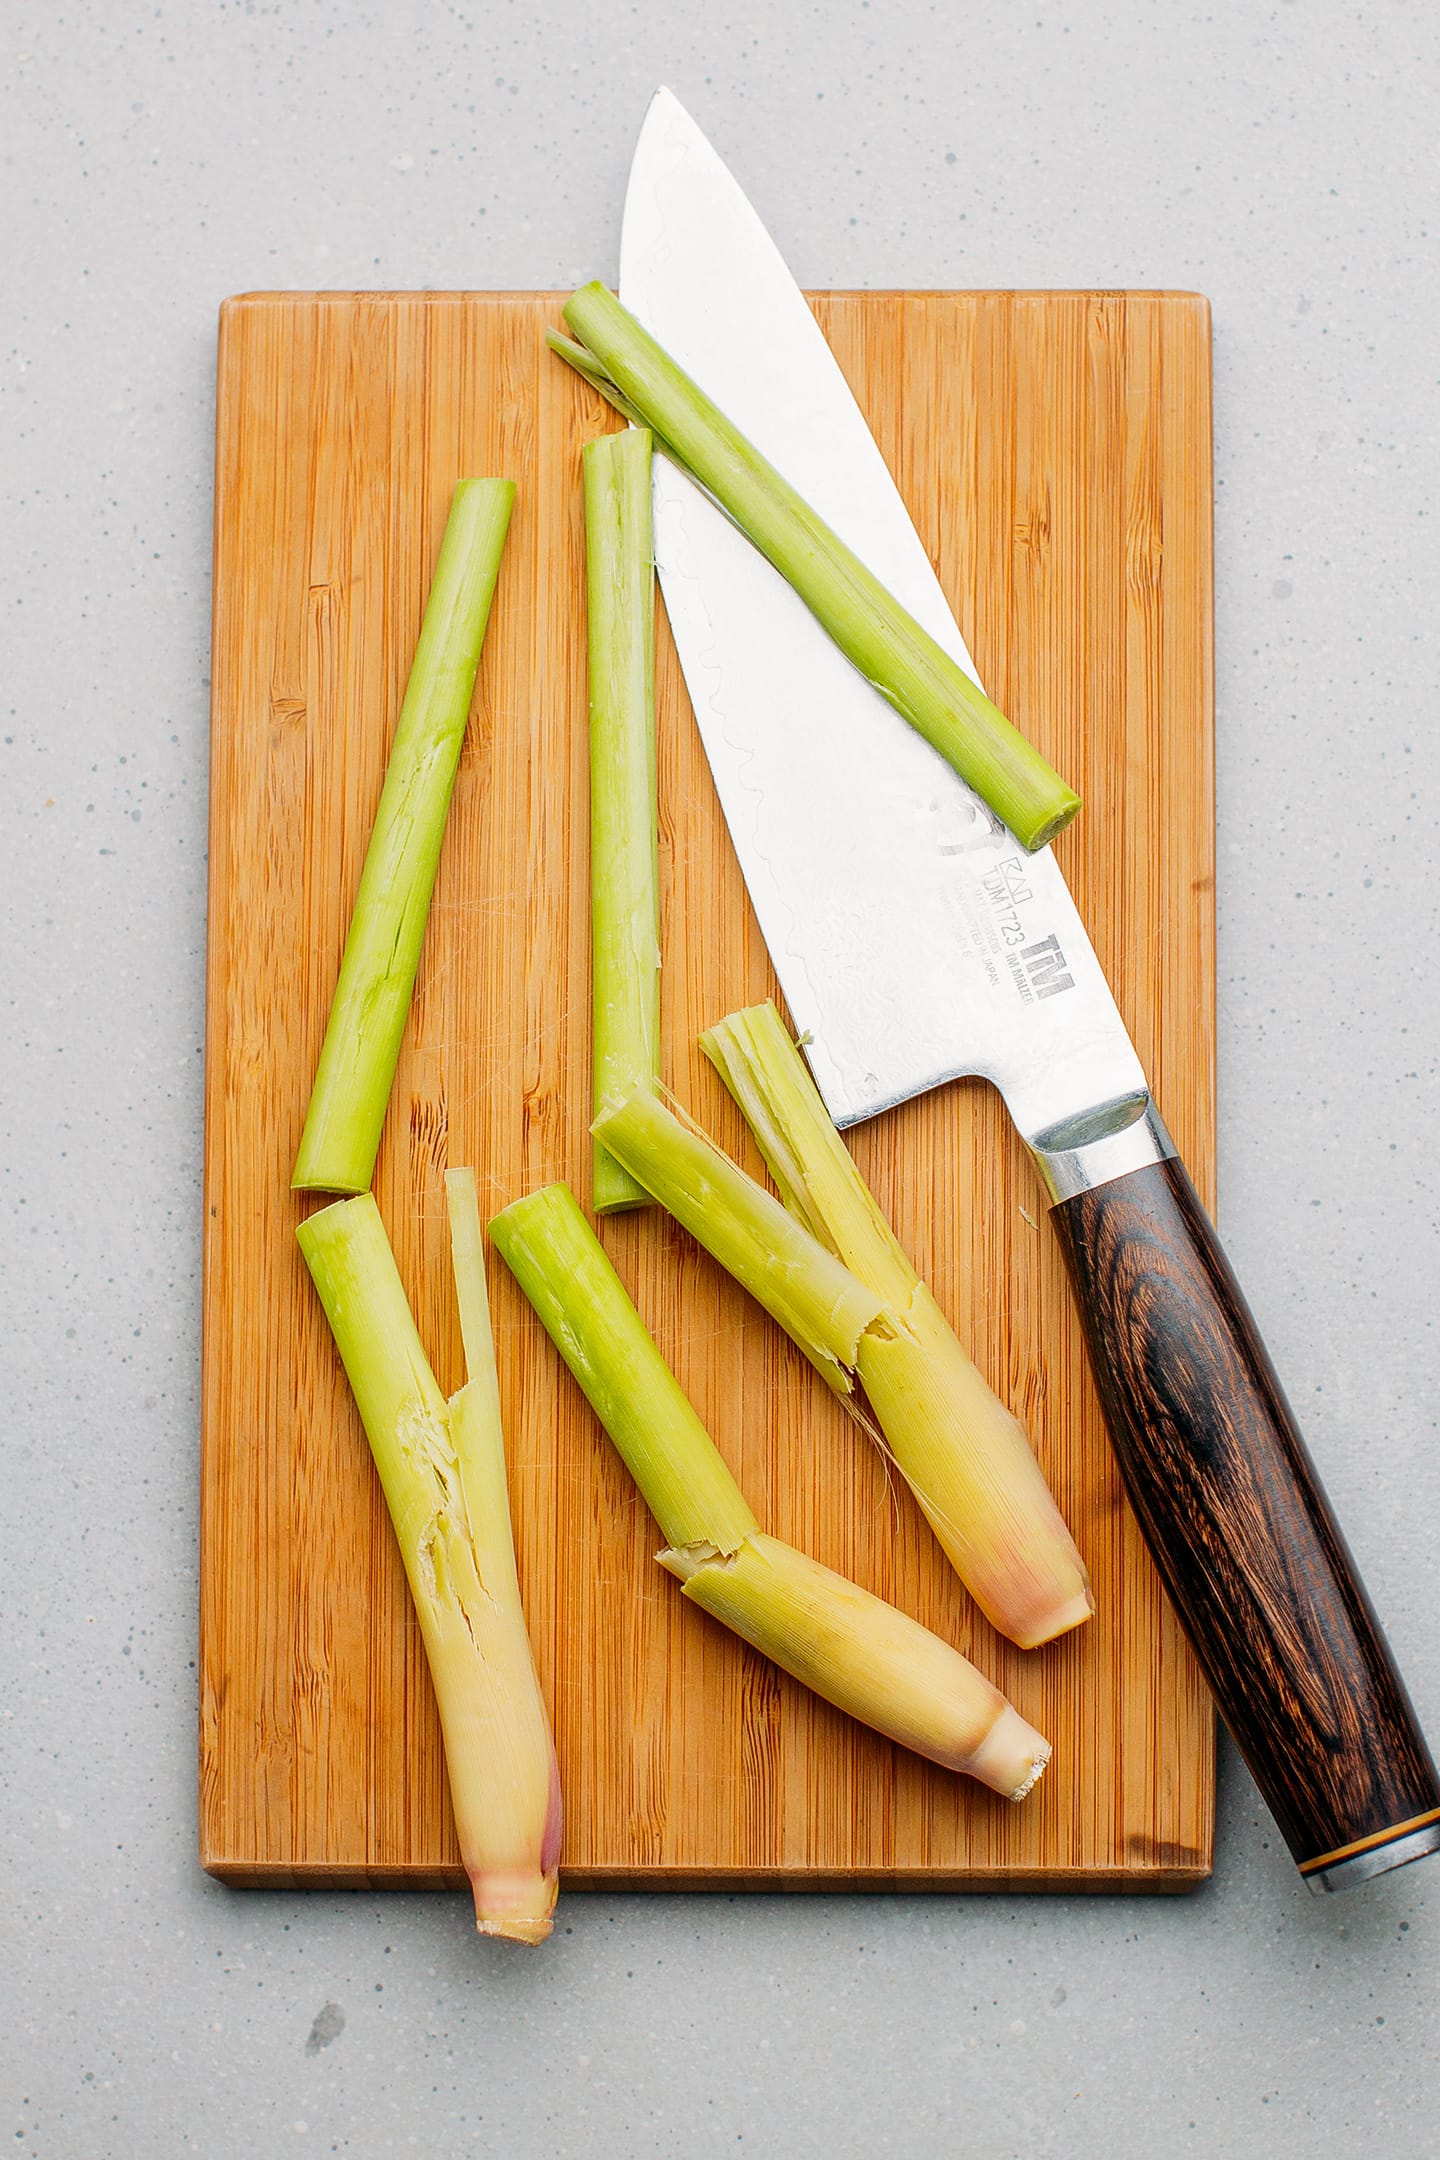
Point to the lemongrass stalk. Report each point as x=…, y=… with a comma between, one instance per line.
x=814, y=1296
x=811, y=1166
x=963, y=1454
x=441, y=1467
x=877, y=635
x=560, y=1265
x=624, y=864
x=566, y=349
x=845, y=1644
x=511, y=1883
x=970, y=1465
x=867, y=1658
x=382, y=948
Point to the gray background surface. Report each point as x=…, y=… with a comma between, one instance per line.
x=1280, y=158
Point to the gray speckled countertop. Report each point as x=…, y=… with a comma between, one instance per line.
x=1278, y=157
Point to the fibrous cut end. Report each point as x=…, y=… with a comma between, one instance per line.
x=516, y=1908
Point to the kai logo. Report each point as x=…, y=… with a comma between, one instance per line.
x=1045, y=966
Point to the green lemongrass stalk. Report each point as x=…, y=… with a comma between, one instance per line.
x=442, y=1470
x=877, y=635
x=558, y=1262
x=624, y=865
x=813, y=1169
x=382, y=949
x=813, y=1295
x=963, y=1454
x=565, y=348
x=848, y=1646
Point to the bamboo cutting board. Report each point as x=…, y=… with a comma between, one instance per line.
x=1054, y=449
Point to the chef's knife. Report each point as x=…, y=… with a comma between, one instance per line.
x=916, y=941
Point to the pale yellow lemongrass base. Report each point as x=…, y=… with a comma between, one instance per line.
x=973, y=1471
x=1011, y=1759
x=866, y=1657
x=504, y=1779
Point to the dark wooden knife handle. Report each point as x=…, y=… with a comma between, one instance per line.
x=1234, y=1514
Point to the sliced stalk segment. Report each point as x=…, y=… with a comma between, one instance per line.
x=442, y=1470
x=472, y=1295
x=876, y=634
x=847, y=1645
x=815, y=1298
x=867, y=1658
x=963, y=1454
x=566, y=349
x=558, y=1262
x=382, y=949
x=590, y=370
x=624, y=865
x=813, y=1169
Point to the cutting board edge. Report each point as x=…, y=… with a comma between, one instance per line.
x=1169, y=1881
x=339, y=296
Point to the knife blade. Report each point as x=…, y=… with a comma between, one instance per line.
x=916, y=941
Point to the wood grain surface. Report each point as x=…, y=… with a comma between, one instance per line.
x=1054, y=449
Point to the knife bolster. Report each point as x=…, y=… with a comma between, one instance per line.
x=1105, y=1143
